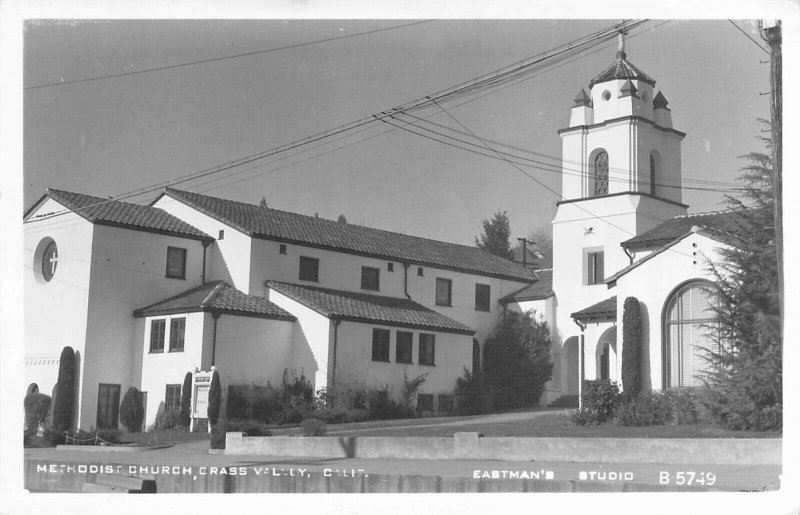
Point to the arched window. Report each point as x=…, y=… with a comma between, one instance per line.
x=652, y=175
x=601, y=174
x=690, y=324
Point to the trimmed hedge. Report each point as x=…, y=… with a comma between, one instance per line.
x=131, y=410
x=186, y=400
x=37, y=411
x=599, y=399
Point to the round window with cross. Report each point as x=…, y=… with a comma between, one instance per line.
x=46, y=260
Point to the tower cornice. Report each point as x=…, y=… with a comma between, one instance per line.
x=622, y=119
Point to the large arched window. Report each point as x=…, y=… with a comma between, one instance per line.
x=689, y=330
x=601, y=174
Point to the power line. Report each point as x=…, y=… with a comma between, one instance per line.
x=748, y=37
x=453, y=92
x=215, y=59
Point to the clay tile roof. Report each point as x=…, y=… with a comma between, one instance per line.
x=285, y=226
x=117, y=213
x=363, y=307
x=604, y=310
x=719, y=223
x=219, y=297
x=622, y=69
x=540, y=290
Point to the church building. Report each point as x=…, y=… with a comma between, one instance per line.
x=191, y=282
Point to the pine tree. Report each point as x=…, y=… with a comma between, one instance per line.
x=746, y=371
x=263, y=202
x=496, y=235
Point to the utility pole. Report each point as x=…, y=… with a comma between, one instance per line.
x=771, y=32
x=524, y=242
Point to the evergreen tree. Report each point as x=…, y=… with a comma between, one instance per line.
x=342, y=219
x=263, y=202
x=186, y=400
x=631, y=348
x=214, y=399
x=746, y=371
x=65, y=391
x=131, y=410
x=517, y=359
x=496, y=235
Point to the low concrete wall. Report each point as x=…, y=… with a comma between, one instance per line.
x=751, y=451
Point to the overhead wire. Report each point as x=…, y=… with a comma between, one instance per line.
x=756, y=43
x=216, y=59
x=471, y=85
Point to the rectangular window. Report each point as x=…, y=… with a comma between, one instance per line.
x=176, y=263
x=177, y=329
x=282, y=249
x=427, y=349
x=221, y=234
x=107, y=406
x=380, y=345
x=390, y=267
x=157, y=330
x=309, y=269
x=425, y=402
x=403, y=345
x=370, y=278
x=173, y=397
x=444, y=403
x=420, y=271
x=482, y=297
x=594, y=267
x=444, y=290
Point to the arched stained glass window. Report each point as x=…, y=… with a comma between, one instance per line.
x=690, y=324
x=601, y=174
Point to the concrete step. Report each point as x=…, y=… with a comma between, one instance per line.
x=565, y=401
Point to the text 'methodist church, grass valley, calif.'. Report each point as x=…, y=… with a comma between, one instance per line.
x=145, y=294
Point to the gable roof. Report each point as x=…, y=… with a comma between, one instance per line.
x=117, y=213
x=603, y=311
x=719, y=223
x=363, y=307
x=284, y=226
x=540, y=290
x=218, y=297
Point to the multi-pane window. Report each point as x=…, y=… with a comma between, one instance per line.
x=173, y=397
x=309, y=269
x=594, y=267
x=427, y=349
x=689, y=333
x=177, y=330
x=444, y=290
x=380, y=345
x=157, y=330
x=404, y=345
x=482, y=296
x=601, y=174
x=370, y=278
x=176, y=263
x=107, y=406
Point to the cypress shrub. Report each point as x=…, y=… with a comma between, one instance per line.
x=631, y=348
x=186, y=400
x=37, y=411
x=65, y=391
x=214, y=399
x=131, y=410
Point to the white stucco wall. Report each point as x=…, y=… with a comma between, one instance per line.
x=253, y=350
x=311, y=340
x=615, y=106
x=453, y=353
x=228, y=259
x=162, y=368
x=652, y=283
x=56, y=312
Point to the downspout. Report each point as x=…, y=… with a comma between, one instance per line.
x=405, y=279
x=580, y=362
x=216, y=316
x=336, y=323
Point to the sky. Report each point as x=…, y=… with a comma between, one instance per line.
x=115, y=135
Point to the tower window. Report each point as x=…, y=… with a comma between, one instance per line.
x=601, y=174
x=594, y=267
x=606, y=95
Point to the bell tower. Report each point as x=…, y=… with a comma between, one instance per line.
x=621, y=175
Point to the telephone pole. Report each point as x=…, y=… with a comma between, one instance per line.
x=771, y=32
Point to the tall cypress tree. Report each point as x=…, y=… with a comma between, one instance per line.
x=631, y=348
x=746, y=368
x=186, y=400
x=214, y=399
x=65, y=391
